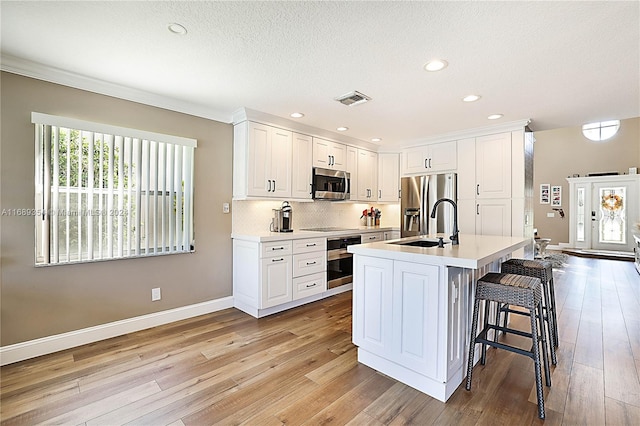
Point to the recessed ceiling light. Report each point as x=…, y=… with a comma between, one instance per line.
x=471, y=98
x=435, y=65
x=376, y=139
x=296, y=115
x=494, y=116
x=342, y=129
x=176, y=28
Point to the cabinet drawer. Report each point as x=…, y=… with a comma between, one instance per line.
x=372, y=237
x=309, y=285
x=309, y=263
x=309, y=245
x=276, y=248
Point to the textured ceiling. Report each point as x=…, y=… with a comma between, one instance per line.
x=558, y=63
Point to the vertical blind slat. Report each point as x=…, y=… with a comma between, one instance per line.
x=170, y=178
x=55, y=197
x=109, y=139
x=79, y=211
x=102, y=216
x=68, y=201
x=90, y=207
x=146, y=163
x=138, y=211
x=178, y=183
x=119, y=214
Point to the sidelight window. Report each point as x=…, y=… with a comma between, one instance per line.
x=106, y=192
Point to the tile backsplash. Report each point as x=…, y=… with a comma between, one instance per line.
x=255, y=216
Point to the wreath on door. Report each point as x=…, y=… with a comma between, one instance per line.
x=611, y=202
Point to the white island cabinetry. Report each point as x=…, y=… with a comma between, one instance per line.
x=412, y=307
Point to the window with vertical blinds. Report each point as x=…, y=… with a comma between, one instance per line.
x=106, y=192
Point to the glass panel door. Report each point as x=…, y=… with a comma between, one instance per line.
x=609, y=217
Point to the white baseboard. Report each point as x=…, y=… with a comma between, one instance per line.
x=46, y=345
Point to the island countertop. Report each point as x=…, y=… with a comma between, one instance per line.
x=473, y=252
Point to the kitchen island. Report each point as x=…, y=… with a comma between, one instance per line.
x=412, y=305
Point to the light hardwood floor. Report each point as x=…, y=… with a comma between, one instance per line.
x=299, y=367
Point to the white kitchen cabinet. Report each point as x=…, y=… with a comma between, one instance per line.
x=495, y=185
x=388, y=177
x=391, y=235
x=415, y=319
x=262, y=161
x=271, y=276
x=277, y=281
x=367, y=175
x=372, y=326
x=372, y=237
x=351, y=166
x=410, y=321
x=329, y=154
x=430, y=158
x=493, y=166
x=302, y=164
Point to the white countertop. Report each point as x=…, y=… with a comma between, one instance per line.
x=299, y=234
x=473, y=252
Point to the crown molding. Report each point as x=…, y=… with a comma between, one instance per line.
x=38, y=71
x=247, y=114
x=510, y=126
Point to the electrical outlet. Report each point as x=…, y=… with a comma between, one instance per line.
x=551, y=214
x=225, y=208
x=155, y=294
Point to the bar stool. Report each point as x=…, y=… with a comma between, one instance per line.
x=516, y=290
x=538, y=269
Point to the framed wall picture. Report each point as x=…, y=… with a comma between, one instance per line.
x=556, y=196
x=544, y=193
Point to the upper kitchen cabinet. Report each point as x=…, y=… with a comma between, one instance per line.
x=302, y=166
x=329, y=155
x=388, y=177
x=431, y=158
x=262, y=161
x=367, y=176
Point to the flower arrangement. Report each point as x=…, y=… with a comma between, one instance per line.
x=611, y=202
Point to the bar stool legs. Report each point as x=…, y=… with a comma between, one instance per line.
x=514, y=290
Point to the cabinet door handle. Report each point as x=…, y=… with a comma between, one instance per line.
x=429, y=162
x=274, y=186
x=478, y=209
x=425, y=163
x=311, y=245
x=478, y=189
x=277, y=248
x=379, y=193
x=312, y=285
x=310, y=188
x=278, y=260
x=311, y=263
x=268, y=185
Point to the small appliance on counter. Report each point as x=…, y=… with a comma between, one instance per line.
x=282, y=218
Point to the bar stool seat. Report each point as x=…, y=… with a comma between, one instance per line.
x=516, y=290
x=542, y=269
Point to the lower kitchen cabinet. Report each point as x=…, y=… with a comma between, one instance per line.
x=411, y=319
x=269, y=277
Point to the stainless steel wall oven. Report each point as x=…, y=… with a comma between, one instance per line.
x=339, y=261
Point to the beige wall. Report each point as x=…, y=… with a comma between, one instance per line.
x=38, y=302
x=561, y=153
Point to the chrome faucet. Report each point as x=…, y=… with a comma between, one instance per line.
x=454, y=237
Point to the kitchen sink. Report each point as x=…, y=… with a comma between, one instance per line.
x=419, y=243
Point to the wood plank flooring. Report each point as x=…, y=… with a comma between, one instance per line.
x=299, y=367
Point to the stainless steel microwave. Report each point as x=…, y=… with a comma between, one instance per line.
x=330, y=184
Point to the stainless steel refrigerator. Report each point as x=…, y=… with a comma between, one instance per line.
x=418, y=195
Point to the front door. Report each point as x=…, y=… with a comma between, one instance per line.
x=611, y=214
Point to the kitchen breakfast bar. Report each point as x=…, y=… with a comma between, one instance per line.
x=412, y=305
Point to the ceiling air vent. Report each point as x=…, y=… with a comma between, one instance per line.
x=353, y=98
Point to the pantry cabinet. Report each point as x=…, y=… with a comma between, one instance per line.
x=495, y=185
x=388, y=177
x=329, y=154
x=262, y=161
x=430, y=158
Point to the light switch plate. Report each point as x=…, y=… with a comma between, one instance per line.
x=552, y=214
x=225, y=208
x=155, y=294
